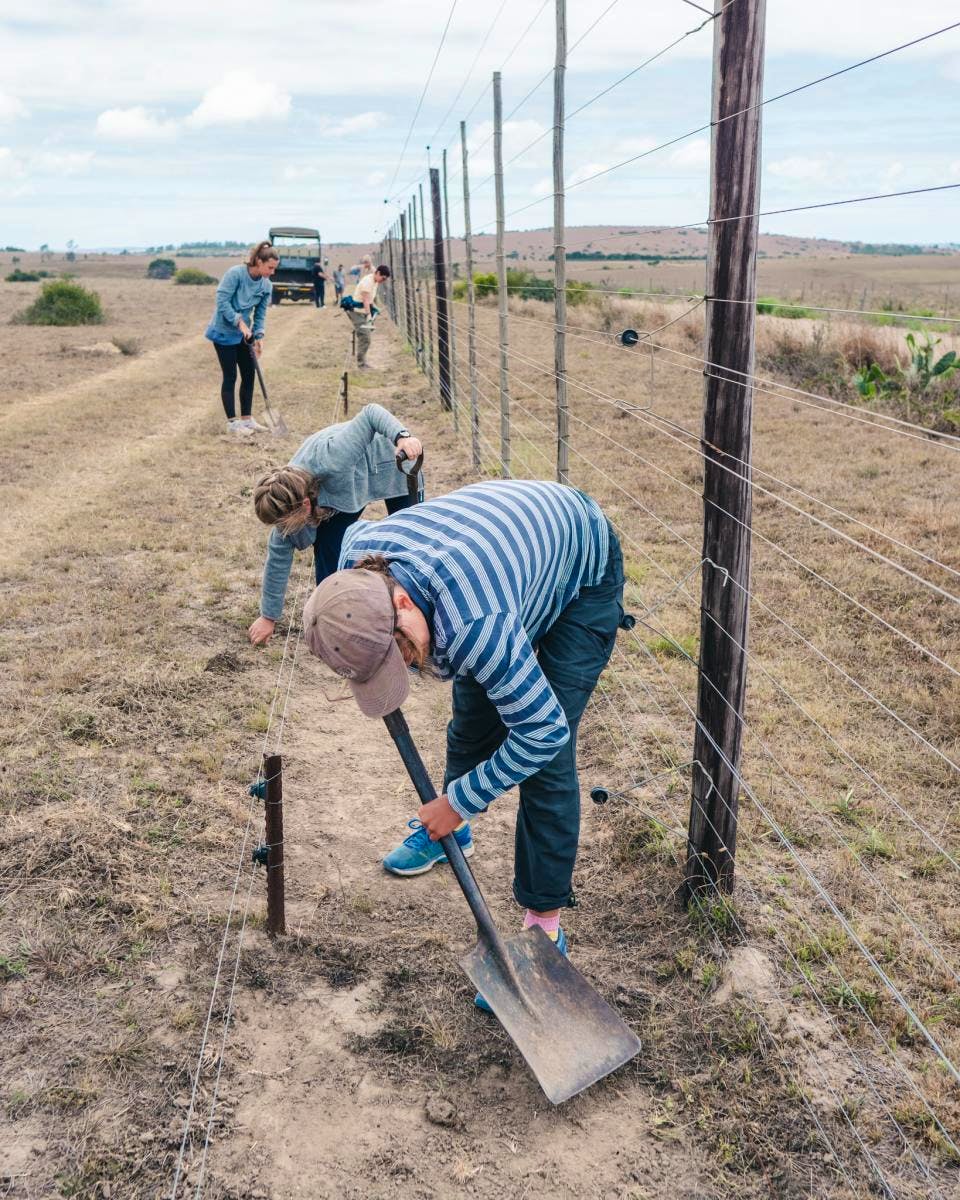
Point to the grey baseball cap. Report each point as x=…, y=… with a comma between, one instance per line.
x=349, y=622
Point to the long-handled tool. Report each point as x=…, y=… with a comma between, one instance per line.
x=565, y=1030
x=413, y=475
x=278, y=426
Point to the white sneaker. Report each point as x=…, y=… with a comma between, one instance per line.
x=252, y=425
x=238, y=427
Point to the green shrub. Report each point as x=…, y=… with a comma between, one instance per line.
x=161, y=268
x=460, y=289
x=484, y=285
x=775, y=308
x=18, y=276
x=190, y=275
x=62, y=302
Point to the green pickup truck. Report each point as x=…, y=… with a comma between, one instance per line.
x=299, y=250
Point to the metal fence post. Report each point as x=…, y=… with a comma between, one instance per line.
x=440, y=282
x=471, y=307
x=273, y=814
x=560, y=251
x=450, y=310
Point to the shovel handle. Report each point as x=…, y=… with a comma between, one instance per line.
x=396, y=723
x=413, y=477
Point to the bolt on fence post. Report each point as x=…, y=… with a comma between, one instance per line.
x=738, y=48
x=426, y=288
x=450, y=316
x=471, y=308
x=502, y=294
x=273, y=814
x=560, y=251
x=443, y=307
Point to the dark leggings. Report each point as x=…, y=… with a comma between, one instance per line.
x=326, y=549
x=232, y=357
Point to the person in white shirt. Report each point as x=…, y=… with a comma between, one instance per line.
x=361, y=311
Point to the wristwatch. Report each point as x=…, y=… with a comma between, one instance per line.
x=402, y=434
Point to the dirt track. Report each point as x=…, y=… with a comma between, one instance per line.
x=355, y=1064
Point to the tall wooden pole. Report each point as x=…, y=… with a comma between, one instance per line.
x=560, y=251
x=427, y=289
x=502, y=294
x=738, y=48
x=450, y=312
x=405, y=268
x=417, y=291
x=471, y=307
x=440, y=282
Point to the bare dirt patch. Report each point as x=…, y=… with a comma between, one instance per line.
x=354, y=1061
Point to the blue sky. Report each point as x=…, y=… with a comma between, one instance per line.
x=137, y=124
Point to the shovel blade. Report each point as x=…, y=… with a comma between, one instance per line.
x=565, y=1030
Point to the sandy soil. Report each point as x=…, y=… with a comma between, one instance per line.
x=353, y=1062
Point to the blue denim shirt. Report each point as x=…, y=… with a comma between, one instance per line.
x=237, y=295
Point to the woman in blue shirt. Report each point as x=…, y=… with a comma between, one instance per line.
x=236, y=337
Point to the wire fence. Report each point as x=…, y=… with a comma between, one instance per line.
x=837, y=767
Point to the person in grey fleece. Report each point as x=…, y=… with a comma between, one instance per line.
x=324, y=488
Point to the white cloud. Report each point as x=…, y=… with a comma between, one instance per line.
x=11, y=166
x=953, y=171
x=517, y=137
x=136, y=124
x=799, y=168
x=66, y=162
x=364, y=122
x=693, y=155
x=11, y=108
x=294, y=174
x=375, y=178
x=238, y=99
x=585, y=172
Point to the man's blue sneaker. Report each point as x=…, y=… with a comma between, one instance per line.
x=561, y=944
x=417, y=853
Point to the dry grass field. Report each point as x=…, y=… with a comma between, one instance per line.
x=346, y=1059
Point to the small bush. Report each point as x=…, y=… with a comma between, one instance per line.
x=126, y=345
x=191, y=276
x=774, y=308
x=18, y=276
x=62, y=302
x=161, y=268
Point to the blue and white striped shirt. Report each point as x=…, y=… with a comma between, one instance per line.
x=491, y=567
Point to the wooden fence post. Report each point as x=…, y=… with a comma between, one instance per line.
x=471, y=307
x=738, y=48
x=440, y=282
x=560, y=251
x=405, y=268
x=273, y=817
x=502, y=294
x=450, y=310
x=426, y=288
x=417, y=293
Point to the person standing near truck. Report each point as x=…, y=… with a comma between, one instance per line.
x=339, y=282
x=321, y=492
x=237, y=331
x=319, y=283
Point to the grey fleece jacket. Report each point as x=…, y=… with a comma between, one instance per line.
x=356, y=463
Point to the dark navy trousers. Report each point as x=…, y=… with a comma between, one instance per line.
x=572, y=653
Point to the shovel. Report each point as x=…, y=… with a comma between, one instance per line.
x=278, y=426
x=565, y=1030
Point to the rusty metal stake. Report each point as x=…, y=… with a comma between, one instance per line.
x=273, y=813
x=346, y=394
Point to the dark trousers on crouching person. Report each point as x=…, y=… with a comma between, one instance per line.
x=572, y=654
x=326, y=549
x=234, y=358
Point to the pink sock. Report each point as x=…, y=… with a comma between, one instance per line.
x=549, y=925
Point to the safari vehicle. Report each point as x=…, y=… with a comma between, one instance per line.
x=299, y=249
